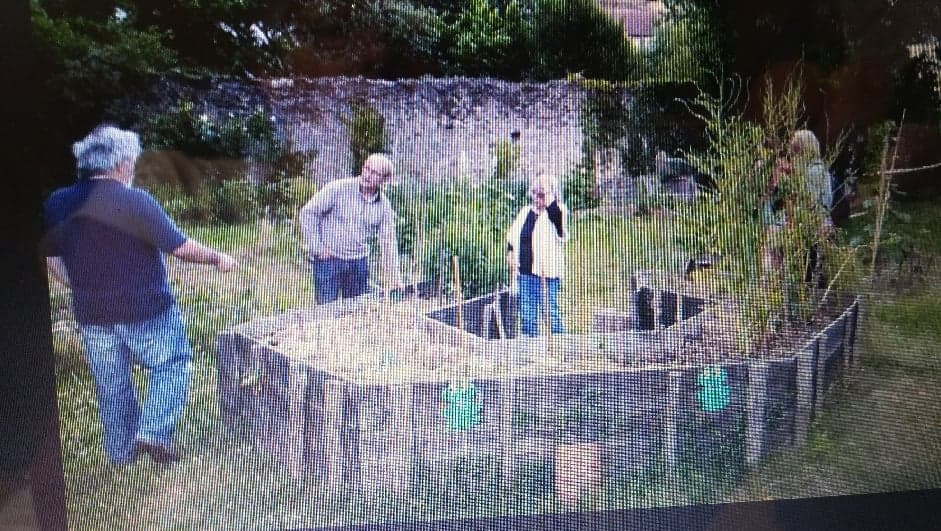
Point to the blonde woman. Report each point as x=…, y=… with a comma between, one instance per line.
x=804, y=167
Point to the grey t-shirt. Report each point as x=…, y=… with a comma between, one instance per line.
x=340, y=220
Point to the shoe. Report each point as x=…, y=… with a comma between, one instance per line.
x=130, y=460
x=158, y=453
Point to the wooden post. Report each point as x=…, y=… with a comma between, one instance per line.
x=333, y=433
x=671, y=416
x=498, y=315
x=258, y=405
x=296, y=421
x=820, y=385
x=851, y=324
x=442, y=272
x=806, y=369
x=755, y=401
x=485, y=321
x=507, y=392
x=459, y=292
x=228, y=375
x=545, y=291
x=403, y=448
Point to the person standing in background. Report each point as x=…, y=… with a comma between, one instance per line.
x=535, y=251
x=336, y=224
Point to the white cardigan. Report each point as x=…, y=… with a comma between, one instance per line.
x=548, y=252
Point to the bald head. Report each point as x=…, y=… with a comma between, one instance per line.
x=377, y=170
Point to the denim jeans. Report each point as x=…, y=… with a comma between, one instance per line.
x=159, y=345
x=532, y=304
x=334, y=277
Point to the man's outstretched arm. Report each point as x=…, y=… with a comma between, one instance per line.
x=193, y=251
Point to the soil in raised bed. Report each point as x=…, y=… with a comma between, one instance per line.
x=390, y=343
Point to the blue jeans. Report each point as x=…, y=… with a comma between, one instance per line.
x=158, y=344
x=336, y=276
x=532, y=304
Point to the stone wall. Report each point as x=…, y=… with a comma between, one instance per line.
x=438, y=128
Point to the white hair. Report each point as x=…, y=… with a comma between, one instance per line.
x=548, y=182
x=104, y=149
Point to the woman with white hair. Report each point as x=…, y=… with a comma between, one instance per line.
x=106, y=240
x=535, y=253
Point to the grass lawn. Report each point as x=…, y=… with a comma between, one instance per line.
x=881, y=431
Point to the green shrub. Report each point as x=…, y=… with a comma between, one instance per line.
x=729, y=223
x=201, y=135
x=485, y=40
x=579, y=189
x=367, y=129
x=916, y=89
x=301, y=190
x=91, y=61
x=463, y=220
x=216, y=201
x=578, y=36
x=234, y=202
x=183, y=207
x=686, y=48
x=255, y=138
x=604, y=119
x=507, y=156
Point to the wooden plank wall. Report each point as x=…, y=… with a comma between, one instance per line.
x=373, y=438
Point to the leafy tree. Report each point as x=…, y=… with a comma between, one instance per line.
x=88, y=58
x=577, y=36
x=230, y=36
x=917, y=89
x=485, y=40
x=372, y=38
x=850, y=43
x=685, y=49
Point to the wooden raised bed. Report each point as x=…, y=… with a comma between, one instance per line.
x=383, y=423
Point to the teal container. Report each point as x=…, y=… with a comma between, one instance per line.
x=714, y=393
x=463, y=408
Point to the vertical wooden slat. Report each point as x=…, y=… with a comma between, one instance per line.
x=671, y=418
x=507, y=393
x=296, y=419
x=258, y=404
x=755, y=400
x=820, y=383
x=806, y=374
x=402, y=450
x=852, y=323
x=333, y=432
x=228, y=378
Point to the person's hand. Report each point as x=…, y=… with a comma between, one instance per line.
x=827, y=228
x=226, y=263
x=781, y=168
x=511, y=263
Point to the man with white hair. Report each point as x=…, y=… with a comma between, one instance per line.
x=336, y=224
x=105, y=240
